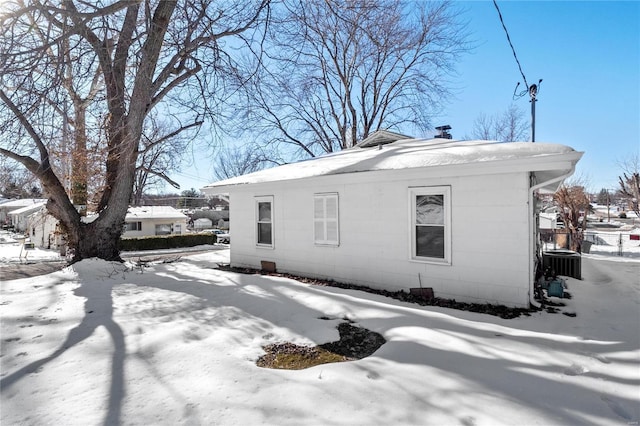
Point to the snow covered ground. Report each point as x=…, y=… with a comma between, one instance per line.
x=176, y=343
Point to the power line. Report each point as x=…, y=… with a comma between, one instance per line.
x=532, y=90
x=511, y=44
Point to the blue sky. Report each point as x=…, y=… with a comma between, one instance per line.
x=586, y=52
x=588, y=55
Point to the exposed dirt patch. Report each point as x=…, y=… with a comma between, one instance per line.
x=355, y=343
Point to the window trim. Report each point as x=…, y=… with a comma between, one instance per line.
x=138, y=226
x=445, y=191
x=325, y=196
x=258, y=200
x=169, y=225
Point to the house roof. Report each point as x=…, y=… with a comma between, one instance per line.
x=28, y=209
x=154, y=212
x=23, y=202
x=475, y=156
x=381, y=137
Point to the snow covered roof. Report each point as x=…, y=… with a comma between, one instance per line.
x=28, y=209
x=417, y=153
x=154, y=212
x=23, y=202
x=381, y=137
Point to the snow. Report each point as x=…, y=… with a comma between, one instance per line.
x=154, y=212
x=22, y=202
x=406, y=154
x=610, y=243
x=12, y=250
x=176, y=343
x=28, y=208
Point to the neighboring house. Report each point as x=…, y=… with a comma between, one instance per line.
x=154, y=220
x=44, y=230
x=202, y=223
x=548, y=221
x=139, y=222
x=457, y=217
x=11, y=205
x=219, y=218
x=18, y=217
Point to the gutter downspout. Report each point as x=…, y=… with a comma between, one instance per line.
x=532, y=189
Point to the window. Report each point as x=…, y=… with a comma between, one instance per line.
x=431, y=224
x=264, y=216
x=325, y=219
x=163, y=229
x=133, y=226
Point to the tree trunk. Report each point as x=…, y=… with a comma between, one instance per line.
x=79, y=171
x=98, y=240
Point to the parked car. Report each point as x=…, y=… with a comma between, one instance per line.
x=222, y=236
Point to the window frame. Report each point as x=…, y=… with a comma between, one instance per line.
x=324, y=196
x=138, y=226
x=414, y=192
x=258, y=222
x=168, y=226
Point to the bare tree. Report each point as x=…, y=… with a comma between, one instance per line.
x=573, y=204
x=160, y=153
x=630, y=182
x=240, y=160
x=16, y=183
x=147, y=53
x=508, y=126
x=339, y=70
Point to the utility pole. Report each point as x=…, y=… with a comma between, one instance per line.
x=533, y=92
x=533, y=89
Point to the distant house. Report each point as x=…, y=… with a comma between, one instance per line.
x=44, y=230
x=458, y=217
x=218, y=218
x=11, y=205
x=202, y=223
x=548, y=221
x=18, y=217
x=139, y=222
x=154, y=220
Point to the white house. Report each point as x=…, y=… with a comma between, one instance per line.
x=459, y=217
x=202, y=223
x=139, y=222
x=154, y=220
x=18, y=217
x=548, y=220
x=11, y=205
x=44, y=230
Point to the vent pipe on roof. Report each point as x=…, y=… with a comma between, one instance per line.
x=444, y=132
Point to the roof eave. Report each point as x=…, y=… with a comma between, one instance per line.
x=559, y=164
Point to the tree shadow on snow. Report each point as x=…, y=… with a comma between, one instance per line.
x=280, y=303
x=98, y=310
x=514, y=378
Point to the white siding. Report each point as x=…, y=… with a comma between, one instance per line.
x=149, y=227
x=489, y=222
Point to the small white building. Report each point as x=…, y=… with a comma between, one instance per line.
x=12, y=205
x=154, y=220
x=202, y=223
x=44, y=230
x=548, y=220
x=18, y=217
x=146, y=221
x=455, y=216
